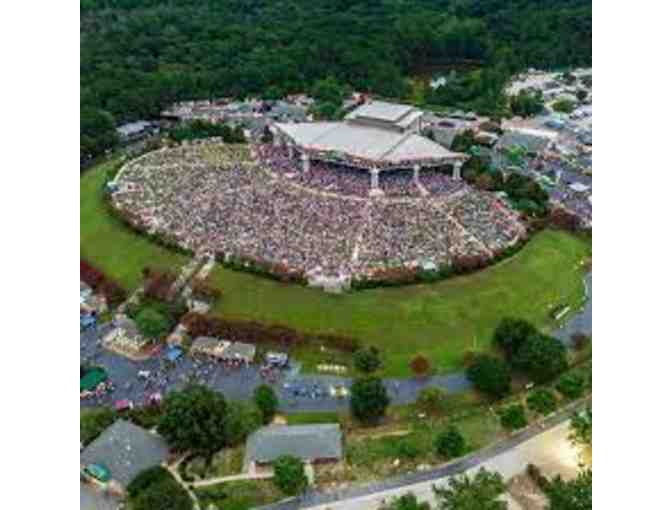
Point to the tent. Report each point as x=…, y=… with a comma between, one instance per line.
x=92, y=379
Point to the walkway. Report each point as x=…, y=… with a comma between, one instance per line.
x=297, y=393
x=544, y=444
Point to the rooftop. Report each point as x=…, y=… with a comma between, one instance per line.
x=126, y=450
x=307, y=442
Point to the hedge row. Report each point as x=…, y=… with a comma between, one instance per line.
x=99, y=282
x=254, y=332
x=274, y=271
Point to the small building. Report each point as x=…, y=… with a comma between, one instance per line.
x=125, y=450
x=136, y=130
x=310, y=443
x=209, y=346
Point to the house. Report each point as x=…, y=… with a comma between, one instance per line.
x=310, y=443
x=125, y=450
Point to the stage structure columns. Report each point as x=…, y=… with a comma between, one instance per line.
x=290, y=150
x=457, y=167
x=306, y=163
x=416, y=174
x=374, y=179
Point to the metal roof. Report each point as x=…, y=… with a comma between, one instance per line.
x=307, y=442
x=362, y=141
x=126, y=450
x=381, y=110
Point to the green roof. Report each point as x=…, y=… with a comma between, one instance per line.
x=92, y=379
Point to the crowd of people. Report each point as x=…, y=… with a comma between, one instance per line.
x=205, y=197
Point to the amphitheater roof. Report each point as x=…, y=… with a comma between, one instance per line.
x=365, y=142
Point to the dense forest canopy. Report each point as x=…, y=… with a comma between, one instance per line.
x=138, y=56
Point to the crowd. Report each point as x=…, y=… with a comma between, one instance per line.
x=203, y=197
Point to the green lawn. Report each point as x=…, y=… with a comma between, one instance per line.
x=106, y=243
x=239, y=495
x=440, y=320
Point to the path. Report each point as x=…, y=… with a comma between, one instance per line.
x=543, y=443
x=240, y=384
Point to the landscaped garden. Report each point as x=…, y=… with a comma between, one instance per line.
x=442, y=321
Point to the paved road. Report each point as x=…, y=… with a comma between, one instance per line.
x=298, y=393
x=497, y=456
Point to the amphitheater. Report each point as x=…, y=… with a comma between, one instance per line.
x=254, y=203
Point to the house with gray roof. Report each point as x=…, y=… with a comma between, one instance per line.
x=310, y=443
x=126, y=450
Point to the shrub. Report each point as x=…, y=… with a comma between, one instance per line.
x=490, y=375
x=144, y=479
x=541, y=358
x=450, y=443
x=367, y=360
x=368, y=399
x=289, y=475
x=152, y=323
x=159, y=284
x=537, y=477
x=407, y=449
x=114, y=294
x=94, y=421
x=266, y=401
x=202, y=288
x=571, y=386
x=513, y=417
x=527, y=104
x=563, y=106
x=432, y=400
x=420, y=365
x=408, y=501
x=510, y=334
x=542, y=401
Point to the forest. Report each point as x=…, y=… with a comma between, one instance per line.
x=138, y=56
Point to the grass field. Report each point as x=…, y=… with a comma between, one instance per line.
x=106, y=243
x=442, y=320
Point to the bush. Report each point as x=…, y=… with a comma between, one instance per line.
x=563, y=106
x=144, y=479
x=266, y=401
x=407, y=449
x=571, y=386
x=202, y=288
x=367, y=360
x=94, y=421
x=510, y=334
x=527, y=104
x=541, y=358
x=289, y=475
x=513, y=417
x=432, y=400
x=542, y=401
x=490, y=375
x=450, y=443
x=159, y=284
x=113, y=292
x=164, y=495
x=408, y=501
x=420, y=365
x=368, y=399
x=152, y=323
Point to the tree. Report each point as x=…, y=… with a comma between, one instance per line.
x=289, y=475
x=156, y=489
x=571, y=386
x=450, y=443
x=490, y=375
x=582, y=428
x=368, y=399
x=564, y=106
x=511, y=333
x=432, y=400
x=527, y=104
x=513, y=417
x=152, y=323
x=195, y=419
x=541, y=358
x=420, y=365
x=542, y=401
x=575, y=494
x=408, y=501
x=242, y=419
x=481, y=492
x=266, y=401
x=367, y=360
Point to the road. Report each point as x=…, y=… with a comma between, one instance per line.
x=240, y=384
x=544, y=445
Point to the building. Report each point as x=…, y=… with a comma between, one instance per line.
x=125, y=450
x=375, y=137
x=136, y=130
x=223, y=349
x=310, y=443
